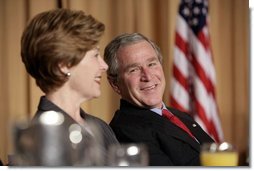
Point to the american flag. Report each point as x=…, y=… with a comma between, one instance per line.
x=193, y=80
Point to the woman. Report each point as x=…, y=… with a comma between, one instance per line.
x=60, y=51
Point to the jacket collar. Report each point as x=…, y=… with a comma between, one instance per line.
x=46, y=105
x=150, y=116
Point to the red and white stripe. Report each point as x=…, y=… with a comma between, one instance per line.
x=194, y=78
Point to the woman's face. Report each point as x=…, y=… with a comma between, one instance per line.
x=86, y=77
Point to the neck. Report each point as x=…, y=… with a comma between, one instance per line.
x=69, y=103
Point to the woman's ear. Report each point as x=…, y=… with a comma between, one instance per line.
x=64, y=68
x=114, y=84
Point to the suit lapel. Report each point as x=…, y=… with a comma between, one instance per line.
x=178, y=133
x=170, y=129
x=162, y=124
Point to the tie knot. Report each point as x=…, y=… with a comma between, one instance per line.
x=167, y=113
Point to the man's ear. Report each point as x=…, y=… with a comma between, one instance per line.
x=114, y=85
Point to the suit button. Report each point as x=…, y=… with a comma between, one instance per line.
x=194, y=125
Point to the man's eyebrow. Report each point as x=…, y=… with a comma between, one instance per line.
x=137, y=64
x=131, y=66
x=155, y=58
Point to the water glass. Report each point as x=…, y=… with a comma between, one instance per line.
x=128, y=155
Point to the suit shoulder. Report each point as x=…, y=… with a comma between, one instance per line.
x=179, y=112
x=127, y=119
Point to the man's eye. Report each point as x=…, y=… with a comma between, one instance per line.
x=152, y=64
x=133, y=70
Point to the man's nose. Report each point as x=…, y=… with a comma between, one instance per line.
x=146, y=74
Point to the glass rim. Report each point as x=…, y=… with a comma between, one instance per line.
x=218, y=147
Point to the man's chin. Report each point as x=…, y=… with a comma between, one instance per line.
x=153, y=104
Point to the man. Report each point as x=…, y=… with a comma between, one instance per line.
x=136, y=74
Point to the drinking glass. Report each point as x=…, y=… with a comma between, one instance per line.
x=44, y=141
x=128, y=155
x=54, y=139
x=218, y=154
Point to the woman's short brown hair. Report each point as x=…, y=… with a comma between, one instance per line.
x=54, y=37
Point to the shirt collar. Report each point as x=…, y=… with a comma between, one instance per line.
x=158, y=110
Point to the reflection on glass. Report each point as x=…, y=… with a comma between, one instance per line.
x=128, y=155
x=56, y=140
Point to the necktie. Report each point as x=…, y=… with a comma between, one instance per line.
x=176, y=121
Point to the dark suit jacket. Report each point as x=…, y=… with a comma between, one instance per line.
x=67, y=157
x=168, y=144
x=107, y=133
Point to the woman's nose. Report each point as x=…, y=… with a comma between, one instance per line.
x=103, y=64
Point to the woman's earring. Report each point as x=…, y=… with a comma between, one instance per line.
x=68, y=74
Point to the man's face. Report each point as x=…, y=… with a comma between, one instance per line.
x=141, y=79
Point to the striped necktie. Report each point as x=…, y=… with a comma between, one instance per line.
x=176, y=121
